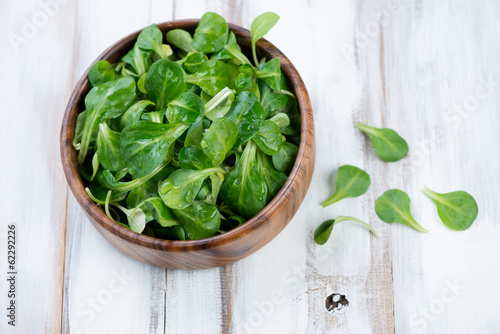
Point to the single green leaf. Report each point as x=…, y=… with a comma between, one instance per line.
x=457, y=209
x=245, y=77
x=394, y=207
x=187, y=108
x=102, y=71
x=106, y=179
x=141, y=85
x=247, y=113
x=284, y=159
x=270, y=72
x=212, y=77
x=108, y=148
x=281, y=120
x=141, y=193
x=193, y=61
x=269, y=138
x=216, y=179
x=136, y=218
x=194, y=135
x=193, y=157
x=133, y=113
x=219, y=139
x=388, y=145
x=139, y=59
x=95, y=166
x=121, y=174
x=151, y=39
x=273, y=178
x=147, y=189
x=243, y=189
x=211, y=34
x=260, y=27
x=160, y=212
x=323, y=232
x=219, y=105
x=231, y=50
x=107, y=100
x=80, y=123
x=181, y=39
x=200, y=220
x=350, y=181
x=165, y=81
x=180, y=189
x=270, y=100
x=204, y=191
x=145, y=144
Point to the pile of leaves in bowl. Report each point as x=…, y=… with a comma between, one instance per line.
x=187, y=139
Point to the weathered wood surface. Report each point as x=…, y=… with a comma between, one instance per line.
x=428, y=69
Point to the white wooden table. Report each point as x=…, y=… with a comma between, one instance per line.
x=429, y=69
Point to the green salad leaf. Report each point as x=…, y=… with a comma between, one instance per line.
x=394, y=207
x=457, y=209
x=104, y=101
x=243, y=189
x=211, y=34
x=388, y=144
x=324, y=231
x=165, y=81
x=350, y=181
x=102, y=71
x=260, y=27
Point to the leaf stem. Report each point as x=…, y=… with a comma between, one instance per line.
x=159, y=50
x=87, y=134
x=129, y=185
x=335, y=198
x=106, y=204
x=412, y=223
x=254, y=54
x=92, y=197
x=347, y=218
x=240, y=57
x=364, y=128
x=217, y=99
x=431, y=194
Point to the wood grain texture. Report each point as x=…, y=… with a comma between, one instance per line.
x=420, y=69
x=34, y=189
x=97, y=287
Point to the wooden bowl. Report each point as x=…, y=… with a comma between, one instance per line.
x=221, y=249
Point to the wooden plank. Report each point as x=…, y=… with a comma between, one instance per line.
x=35, y=44
x=101, y=283
x=264, y=287
x=285, y=287
x=195, y=300
x=443, y=95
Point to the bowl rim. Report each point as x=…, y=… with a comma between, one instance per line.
x=70, y=165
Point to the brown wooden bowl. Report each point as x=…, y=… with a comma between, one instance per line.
x=221, y=249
